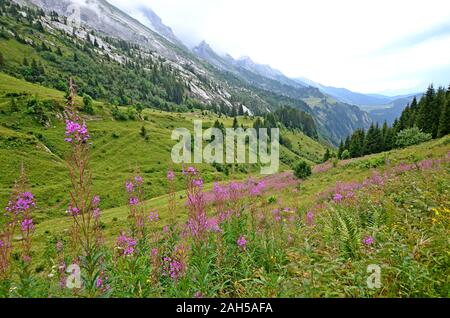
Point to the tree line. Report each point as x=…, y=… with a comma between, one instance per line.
x=420, y=121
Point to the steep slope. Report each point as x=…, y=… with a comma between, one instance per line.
x=392, y=110
x=214, y=80
x=335, y=119
x=155, y=23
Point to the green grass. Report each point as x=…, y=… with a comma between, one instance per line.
x=118, y=149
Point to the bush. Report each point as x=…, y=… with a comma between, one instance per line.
x=118, y=114
x=87, y=104
x=345, y=155
x=302, y=170
x=410, y=137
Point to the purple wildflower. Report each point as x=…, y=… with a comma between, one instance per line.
x=129, y=186
x=77, y=132
x=95, y=200
x=139, y=180
x=27, y=225
x=242, y=242
x=337, y=197
x=310, y=217
x=73, y=211
x=153, y=216
x=134, y=201
x=126, y=244
x=369, y=240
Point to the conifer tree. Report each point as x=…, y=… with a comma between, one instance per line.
x=413, y=112
x=357, y=143
x=444, y=120
x=439, y=104
x=235, y=123
x=424, y=120
x=340, y=150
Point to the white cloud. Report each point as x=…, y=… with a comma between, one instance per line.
x=338, y=43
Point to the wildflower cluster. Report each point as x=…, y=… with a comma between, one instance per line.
x=125, y=245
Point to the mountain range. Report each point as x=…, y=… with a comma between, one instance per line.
x=213, y=78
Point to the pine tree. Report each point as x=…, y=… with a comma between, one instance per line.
x=384, y=133
x=404, y=121
x=439, y=104
x=340, y=150
x=425, y=116
x=413, y=112
x=357, y=143
x=374, y=140
x=347, y=143
x=389, y=140
x=444, y=121
x=235, y=123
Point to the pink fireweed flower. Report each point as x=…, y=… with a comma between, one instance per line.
x=76, y=132
x=154, y=253
x=198, y=183
x=213, y=225
x=129, y=186
x=134, y=201
x=173, y=268
x=369, y=240
x=166, y=229
x=349, y=195
x=2, y=244
x=170, y=175
x=153, y=216
x=189, y=171
x=192, y=171
x=73, y=211
x=310, y=217
x=198, y=295
x=24, y=202
x=242, y=242
x=139, y=180
x=126, y=244
x=96, y=214
x=337, y=197
x=27, y=225
x=276, y=215
x=99, y=283
x=95, y=200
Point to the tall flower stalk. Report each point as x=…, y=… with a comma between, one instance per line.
x=83, y=207
x=18, y=218
x=197, y=221
x=172, y=205
x=135, y=190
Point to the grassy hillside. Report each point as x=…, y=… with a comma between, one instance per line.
x=118, y=148
x=392, y=212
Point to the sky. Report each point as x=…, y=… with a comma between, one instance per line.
x=384, y=46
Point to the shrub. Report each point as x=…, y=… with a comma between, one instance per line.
x=302, y=170
x=87, y=104
x=410, y=137
x=345, y=155
x=118, y=114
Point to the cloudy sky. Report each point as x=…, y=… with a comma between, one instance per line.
x=382, y=46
